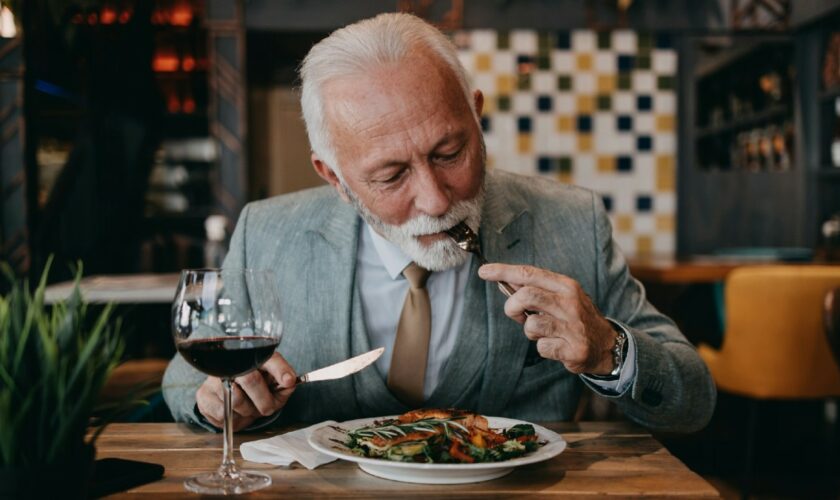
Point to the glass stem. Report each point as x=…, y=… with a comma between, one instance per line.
x=228, y=467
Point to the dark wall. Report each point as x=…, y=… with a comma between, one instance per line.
x=326, y=15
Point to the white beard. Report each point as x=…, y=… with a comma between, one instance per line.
x=441, y=254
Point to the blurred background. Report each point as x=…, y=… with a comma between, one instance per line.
x=133, y=132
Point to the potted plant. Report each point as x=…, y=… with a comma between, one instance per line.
x=54, y=361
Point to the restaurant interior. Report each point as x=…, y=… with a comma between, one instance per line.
x=135, y=131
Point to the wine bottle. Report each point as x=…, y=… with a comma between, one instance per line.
x=835, y=143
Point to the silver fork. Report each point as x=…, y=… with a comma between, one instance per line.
x=467, y=240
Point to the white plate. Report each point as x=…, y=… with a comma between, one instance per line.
x=409, y=472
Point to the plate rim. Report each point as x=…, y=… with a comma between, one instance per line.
x=555, y=440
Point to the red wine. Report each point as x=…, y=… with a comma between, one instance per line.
x=225, y=357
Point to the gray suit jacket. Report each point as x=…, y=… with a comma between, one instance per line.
x=309, y=239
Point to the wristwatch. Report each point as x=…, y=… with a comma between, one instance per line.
x=619, y=351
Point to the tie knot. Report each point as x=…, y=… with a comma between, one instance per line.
x=416, y=275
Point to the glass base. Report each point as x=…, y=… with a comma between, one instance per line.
x=214, y=483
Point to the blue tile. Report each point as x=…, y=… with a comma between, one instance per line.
x=624, y=164
x=644, y=143
x=523, y=59
x=523, y=124
x=625, y=62
x=644, y=103
x=584, y=123
x=608, y=202
x=644, y=203
x=544, y=164
x=544, y=103
x=664, y=41
x=563, y=40
x=485, y=124
x=624, y=122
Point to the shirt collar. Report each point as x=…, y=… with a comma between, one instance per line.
x=390, y=254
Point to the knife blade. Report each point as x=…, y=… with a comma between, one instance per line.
x=337, y=370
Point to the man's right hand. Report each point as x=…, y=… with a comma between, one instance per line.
x=253, y=397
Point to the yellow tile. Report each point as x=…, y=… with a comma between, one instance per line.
x=489, y=106
x=665, y=123
x=665, y=173
x=606, y=164
x=584, y=61
x=483, y=62
x=564, y=123
x=606, y=83
x=644, y=245
x=565, y=178
x=624, y=223
x=504, y=84
x=665, y=223
x=490, y=161
x=584, y=142
x=524, y=143
x=585, y=104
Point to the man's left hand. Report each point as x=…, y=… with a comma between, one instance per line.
x=568, y=328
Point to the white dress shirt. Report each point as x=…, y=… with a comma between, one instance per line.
x=379, y=266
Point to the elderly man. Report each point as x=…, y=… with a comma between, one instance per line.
x=365, y=262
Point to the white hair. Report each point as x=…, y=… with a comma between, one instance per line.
x=356, y=49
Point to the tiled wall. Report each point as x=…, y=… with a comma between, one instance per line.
x=593, y=109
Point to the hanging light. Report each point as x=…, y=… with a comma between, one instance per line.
x=7, y=23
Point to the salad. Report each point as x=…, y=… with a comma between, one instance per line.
x=441, y=436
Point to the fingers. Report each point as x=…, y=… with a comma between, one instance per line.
x=280, y=371
x=522, y=275
x=210, y=402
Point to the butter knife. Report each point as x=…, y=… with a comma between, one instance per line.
x=338, y=370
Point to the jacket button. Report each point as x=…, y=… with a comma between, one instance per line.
x=651, y=397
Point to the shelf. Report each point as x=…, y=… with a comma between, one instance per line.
x=766, y=115
x=746, y=48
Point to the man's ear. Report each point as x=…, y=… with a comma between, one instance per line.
x=326, y=172
x=478, y=99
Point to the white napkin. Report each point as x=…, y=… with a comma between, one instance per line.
x=287, y=448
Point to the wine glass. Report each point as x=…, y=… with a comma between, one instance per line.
x=226, y=323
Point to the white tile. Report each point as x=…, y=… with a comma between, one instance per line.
x=527, y=164
x=605, y=63
x=485, y=82
x=524, y=103
x=467, y=61
x=543, y=132
x=624, y=41
x=623, y=144
x=504, y=62
x=544, y=82
x=644, y=173
x=665, y=143
x=603, y=123
x=583, y=41
x=624, y=201
x=664, y=243
x=565, y=102
x=483, y=40
x=644, y=82
x=560, y=144
x=665, y=203
x=644, y=123
x=584, y=83
x=626, y=242
x=624, y=102
x=644, y=224
x=523, y=41
x=664, y=62
x=563, y=61
x=665, y=102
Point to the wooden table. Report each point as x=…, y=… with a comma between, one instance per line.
x=668, y=270
x=603, y=458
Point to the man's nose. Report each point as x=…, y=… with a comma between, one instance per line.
x=431, y=195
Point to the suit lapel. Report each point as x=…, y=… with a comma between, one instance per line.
x=329, y=288
x=506, y=237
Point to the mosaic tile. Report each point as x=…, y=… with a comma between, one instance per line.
x=583, y=41
x=523, y=41
x=624, y=41
x=594, y=109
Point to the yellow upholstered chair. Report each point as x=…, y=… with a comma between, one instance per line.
x=775, y=345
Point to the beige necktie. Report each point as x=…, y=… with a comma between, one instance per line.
x=411, y=347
